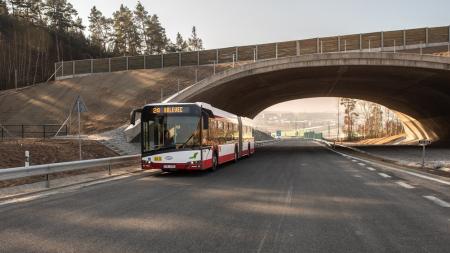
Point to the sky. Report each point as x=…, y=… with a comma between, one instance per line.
x=238, y=22
x=306, y=105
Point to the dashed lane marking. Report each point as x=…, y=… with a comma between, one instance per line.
x=370, y=168
x=437, y=201
x=403, y=171
x=362, y=164
x=384, y=175
x=405, y=185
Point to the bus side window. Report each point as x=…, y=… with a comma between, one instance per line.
x=230, y=131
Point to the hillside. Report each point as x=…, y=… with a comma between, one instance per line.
x=109, y=97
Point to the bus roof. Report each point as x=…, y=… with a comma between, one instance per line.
x=214, y=110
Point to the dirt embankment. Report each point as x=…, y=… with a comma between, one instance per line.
x=12, y=152
x=109, y=97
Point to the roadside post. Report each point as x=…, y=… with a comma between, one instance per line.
x=214, y=66
x=27, y=158
x=424, y=143
x=80, y=107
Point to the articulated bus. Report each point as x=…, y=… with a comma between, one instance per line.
x=192, y=136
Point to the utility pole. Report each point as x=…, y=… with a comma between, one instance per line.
x=79, y=128
x=15, y=78
x=338, y=123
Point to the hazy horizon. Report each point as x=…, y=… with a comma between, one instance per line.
x=307, y=105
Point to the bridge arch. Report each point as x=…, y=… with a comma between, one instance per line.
x=417, y=86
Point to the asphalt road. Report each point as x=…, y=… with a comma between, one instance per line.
x=290, y=197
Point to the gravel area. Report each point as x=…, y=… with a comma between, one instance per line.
x=12, y=152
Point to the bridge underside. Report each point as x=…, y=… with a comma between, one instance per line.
x=421, y=93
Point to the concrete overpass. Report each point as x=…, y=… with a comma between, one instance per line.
x=426, y=40
x=418, y=86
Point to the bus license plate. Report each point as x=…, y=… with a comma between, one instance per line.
x=169, y=166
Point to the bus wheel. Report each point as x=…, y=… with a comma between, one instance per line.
x=249, y=152
x=236, y=157
x=215, y=163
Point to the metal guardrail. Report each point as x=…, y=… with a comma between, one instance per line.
x=262, y=143
x=48, y=169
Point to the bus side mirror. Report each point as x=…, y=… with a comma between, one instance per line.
x=133, y=116
x=205, y=119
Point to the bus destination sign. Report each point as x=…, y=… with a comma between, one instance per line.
x=169, y=109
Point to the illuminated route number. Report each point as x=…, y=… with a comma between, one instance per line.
x=174, y=109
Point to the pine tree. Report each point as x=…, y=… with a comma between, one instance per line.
x=170, y=47
x=61, y=15
x=3, y=8
x=78, y=26
x=119, y=33
x=141, y=20
x=194, y=42
x=29, y=10
x=180, y=44
x=157, y=36
x=36, y=13
x=20, y=9
x=376, y=120
x=126, y=36
x=96, y=27
x=350, y=115
x=107, y=29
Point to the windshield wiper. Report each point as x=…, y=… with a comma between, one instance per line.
x=193, y=134
x=184, y=144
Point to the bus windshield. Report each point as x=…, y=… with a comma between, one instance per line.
x=170, y=131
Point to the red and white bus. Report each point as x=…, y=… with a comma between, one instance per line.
x=192, y=136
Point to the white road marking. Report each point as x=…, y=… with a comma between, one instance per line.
x=405, y=185
x=370, y=168
x=356, y=175
x=406, y=172
x=354, y=161
x=437, y=201
x=362, y=164
x=384, y=175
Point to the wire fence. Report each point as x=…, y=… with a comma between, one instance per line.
x=412, y=40
x=32, y=131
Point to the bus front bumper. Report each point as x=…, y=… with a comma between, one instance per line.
x=194, y=165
